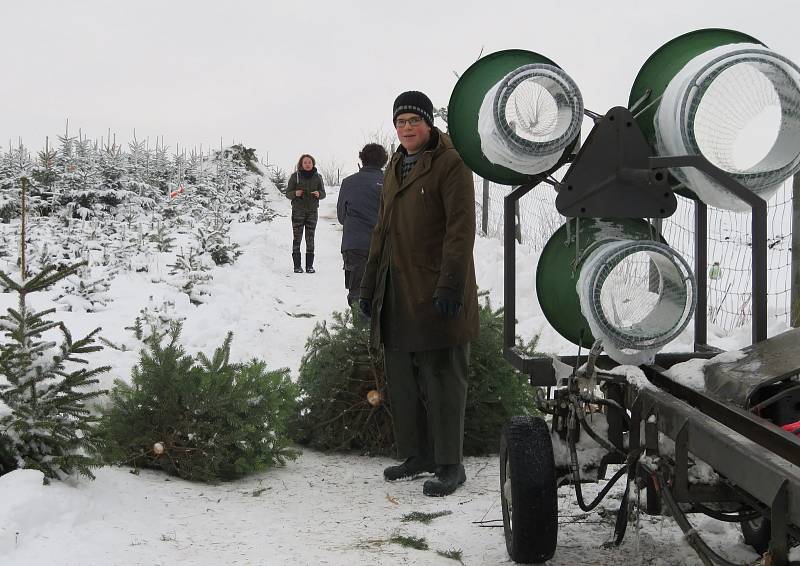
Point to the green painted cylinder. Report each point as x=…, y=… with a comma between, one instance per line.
x=465, y=103
x=666, y=62
x=559, y=267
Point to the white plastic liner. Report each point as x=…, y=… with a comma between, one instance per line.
x=637, y=296
x=528, y=118
x=737, y=105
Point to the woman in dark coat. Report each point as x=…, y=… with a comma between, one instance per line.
x=305, y=189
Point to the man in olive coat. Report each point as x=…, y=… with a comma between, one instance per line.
x=419, y=290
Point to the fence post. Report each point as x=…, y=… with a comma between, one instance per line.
x=653, y=275
x=794, y=318
x=485, y=209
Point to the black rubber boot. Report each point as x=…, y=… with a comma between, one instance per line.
x=414, y=466
x=448, y=478
x=310, y=263
x=296, y=259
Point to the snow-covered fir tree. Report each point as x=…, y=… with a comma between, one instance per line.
x=45, y=421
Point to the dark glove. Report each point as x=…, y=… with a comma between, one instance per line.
x=365, y=305
x=448, y=308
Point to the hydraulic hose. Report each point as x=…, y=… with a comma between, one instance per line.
x=576, y=476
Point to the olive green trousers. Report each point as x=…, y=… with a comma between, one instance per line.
x=428, y=396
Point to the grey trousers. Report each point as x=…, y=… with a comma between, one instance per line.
x=428, y=395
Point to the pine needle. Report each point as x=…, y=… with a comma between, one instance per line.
x=424, y=518
x=417, y=543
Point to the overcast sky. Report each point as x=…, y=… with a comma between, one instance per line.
x=320, y=77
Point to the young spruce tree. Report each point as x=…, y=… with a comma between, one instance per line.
x=45, y=423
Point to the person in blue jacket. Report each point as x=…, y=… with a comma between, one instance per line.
x=357, y=210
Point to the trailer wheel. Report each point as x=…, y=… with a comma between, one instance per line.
x=528, y=490
x=757, y=533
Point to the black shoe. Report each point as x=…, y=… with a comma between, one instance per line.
x=414, y=466
x=298, y=269
x=310, y=270
x=448, y=478
x=310, y=263
x=296, y=260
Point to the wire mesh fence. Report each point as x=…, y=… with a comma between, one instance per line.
x=730, y=258
x=729, y=245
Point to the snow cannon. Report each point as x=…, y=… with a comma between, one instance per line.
x=713, y=116
x=725, y=96
x=616, y=280
x=514, y=115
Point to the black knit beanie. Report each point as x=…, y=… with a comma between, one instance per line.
x=414, y=102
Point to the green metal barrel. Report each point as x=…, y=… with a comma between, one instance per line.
x=465, y=103
x=666, y=62
x=560, y=263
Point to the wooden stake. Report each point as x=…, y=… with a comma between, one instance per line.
x=24, y=183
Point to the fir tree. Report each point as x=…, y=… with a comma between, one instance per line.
x=44, y=420
x=84, y=176
x=16, y=165
x=337, y=375
x=87, y=291
x=194, y=173
x=203, y=419
x=192, y=275
x=137, y=158
x=112, y=168
x=246, y=156
x=44, y=174
x=345, y=404
x=159, y=172
x=162, y=238
x=496, y=391
x=46, y=425
x=217, y=244
x=278, y=178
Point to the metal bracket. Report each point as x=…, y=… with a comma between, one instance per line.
x=611, y=176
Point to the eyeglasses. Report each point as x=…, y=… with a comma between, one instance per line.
x=400, y=122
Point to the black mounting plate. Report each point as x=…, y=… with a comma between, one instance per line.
x=611, y=176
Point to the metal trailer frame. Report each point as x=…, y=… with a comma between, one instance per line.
x=759, y=462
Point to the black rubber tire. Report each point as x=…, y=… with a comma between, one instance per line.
x=528, y=490
x=757, y=534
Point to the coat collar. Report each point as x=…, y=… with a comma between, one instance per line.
x=437, y=144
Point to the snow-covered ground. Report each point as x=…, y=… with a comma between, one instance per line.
x=322, y=508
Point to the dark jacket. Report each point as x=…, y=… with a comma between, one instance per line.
x=357, y=207
x=423, y=240
x=307, y=184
